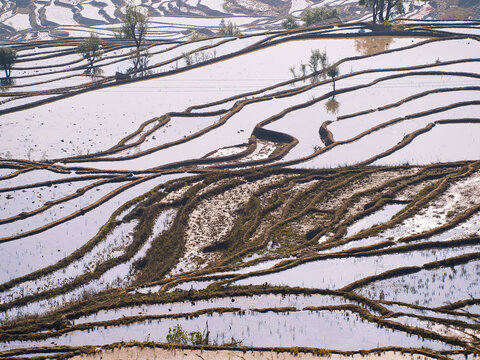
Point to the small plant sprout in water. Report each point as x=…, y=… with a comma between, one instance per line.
x=203, y=56
x=292, y=70
x=303, y=69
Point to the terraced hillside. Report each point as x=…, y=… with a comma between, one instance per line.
x=53, y=19
x=216, y=197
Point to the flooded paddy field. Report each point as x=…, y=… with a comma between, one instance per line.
x=224, y=201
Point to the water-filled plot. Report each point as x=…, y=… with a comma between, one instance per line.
x=236, y=184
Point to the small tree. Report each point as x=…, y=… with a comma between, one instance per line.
x=333, y=71
x=290, y=23
x=90, y=49
x=8, y=56
x=303, y=69
x=292, y=70
x=228, y=29
x=317, y=58
x=135, y=27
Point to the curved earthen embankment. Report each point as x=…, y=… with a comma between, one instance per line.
x=108, y=80
x=240, y=104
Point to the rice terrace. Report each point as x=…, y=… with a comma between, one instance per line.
x=240, y=179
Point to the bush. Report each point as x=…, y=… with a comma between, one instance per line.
x=197, y=36
x=387, y=25
x=196, y=338
x=177, y=335
x=290, y=23
x=316, y=15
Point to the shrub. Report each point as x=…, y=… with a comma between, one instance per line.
x=290, y=23
x=316, y=15
x=177, y=335
x=197, y=36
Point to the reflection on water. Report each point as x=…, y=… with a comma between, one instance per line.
x=372, y=44
x=332, y=106
x=316, y=77
x=94, y=72
x=142, y=72
x=139, y=59
x=430, y=287
x=342, y=330
x=5, y=83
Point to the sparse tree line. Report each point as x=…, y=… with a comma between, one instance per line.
x=198, y=57
x=135, y=27
x=319, y=66
x=382, y=12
